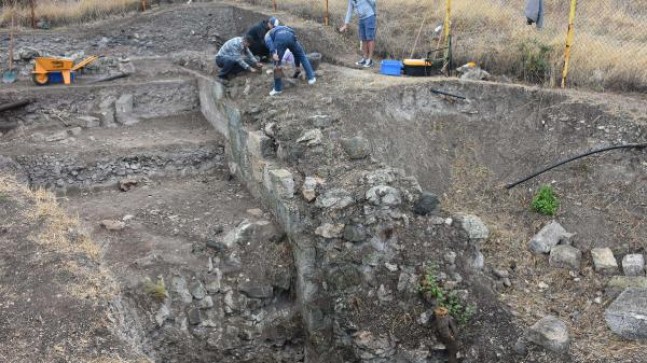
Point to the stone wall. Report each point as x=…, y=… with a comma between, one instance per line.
x=358, y=247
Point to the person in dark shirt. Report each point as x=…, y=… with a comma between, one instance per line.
x=257, y=36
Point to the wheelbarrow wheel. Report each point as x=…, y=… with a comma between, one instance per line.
x=41, y=79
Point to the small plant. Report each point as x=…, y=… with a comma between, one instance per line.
x=156, y=290
x=545, y=201
x=535, y=60
x=432, y=290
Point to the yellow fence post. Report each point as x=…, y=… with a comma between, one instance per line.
x=447, y=24
x=570, y=36
x=326, y=14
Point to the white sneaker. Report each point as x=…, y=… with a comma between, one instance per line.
x=274, y=92
x=368, y=63
x=312, y=81
x=360, y=62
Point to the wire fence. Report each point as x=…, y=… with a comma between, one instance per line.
x=608, y=50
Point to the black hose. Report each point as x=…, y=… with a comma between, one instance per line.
x=12, y=105
x=110, y=78
x=626, y=146
x=446, y=94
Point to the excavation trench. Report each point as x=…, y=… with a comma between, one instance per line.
x=339, y=168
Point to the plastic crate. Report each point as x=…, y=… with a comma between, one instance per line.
x=391, y=67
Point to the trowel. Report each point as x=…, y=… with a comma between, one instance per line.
x=9, y=76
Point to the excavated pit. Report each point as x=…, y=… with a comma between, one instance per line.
x=309, y=293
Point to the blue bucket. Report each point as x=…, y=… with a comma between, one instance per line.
x=57, y=77
x=391, y=67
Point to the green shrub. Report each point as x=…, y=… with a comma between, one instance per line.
x=430, y=287
x=545, y=201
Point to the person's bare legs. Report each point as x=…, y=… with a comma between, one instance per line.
x=370, y=47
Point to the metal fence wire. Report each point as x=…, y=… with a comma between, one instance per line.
x=608, y=49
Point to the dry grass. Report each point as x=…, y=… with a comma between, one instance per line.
x=610, y=50
x=66, y=12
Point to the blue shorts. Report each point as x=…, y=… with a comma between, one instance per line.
x=367, y=28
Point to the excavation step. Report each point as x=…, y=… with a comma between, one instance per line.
x=74, y=157
x=228, y=303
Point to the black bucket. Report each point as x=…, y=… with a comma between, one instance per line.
x=314, y=59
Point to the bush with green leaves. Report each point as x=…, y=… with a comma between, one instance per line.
x=545, y=201
x=430, y=287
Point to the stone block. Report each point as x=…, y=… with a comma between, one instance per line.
x=256, y=290
x=603, y=261
x=335, y=199
x=309, y=189
x=548, y=237
x=124, y=110
x=474, y=226
x=565, y=256
x=427, y=203
x=328, y=230
x=618, y=284
x=281, y=182
x=633, y=265
x=260, y=145
x=550, y=333
x=384, y=196
x=356, y=147
x=627, y=315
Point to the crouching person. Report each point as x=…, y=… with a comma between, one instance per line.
x=278, y=40
x=234, y=57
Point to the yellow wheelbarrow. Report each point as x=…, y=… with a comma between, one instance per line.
x=49, y=70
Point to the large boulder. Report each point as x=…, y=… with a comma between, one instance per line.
x=627, y=315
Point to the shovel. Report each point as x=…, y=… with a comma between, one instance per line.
x=9, y=76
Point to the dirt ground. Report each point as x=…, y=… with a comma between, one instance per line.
x=166, y=219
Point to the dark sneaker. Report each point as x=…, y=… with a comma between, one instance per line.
x=360, y=62
x=368, y=63
x=296, y=74
x=223, y=81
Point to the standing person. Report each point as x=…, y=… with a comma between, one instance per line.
x=278, y=40
x=446, y=331
x=257, y=36
x=234, y=57
x=365, y=10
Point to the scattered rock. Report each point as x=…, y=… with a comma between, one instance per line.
x=427, y=203
x=90, y=121
x=258, y=232
x=627, y=315
x=255, y=212
x=112, y=225
x=548, y=237
x=206, y=303
x=256, y=290
x=311, y=137
x=127, y=184
x=603, y=261
x=198, y=290
x=633, y=265
x=501, y=273
x=213, y=283
x=474, y=226
x=356, y=147
x=194, y=315
x=520, y=346
x=335, y=199
x=355, y=232
x=124, y=110
x=162, y=315
x=75, y=131
x=450, y=257
x=127, y=217
x=328, y=230
x=617, y=284
x=565, y=256
x=309, y=189
x=57, y=136
x=550, y=333
x=178, y=285
x=391, y=267
x=384, y=196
